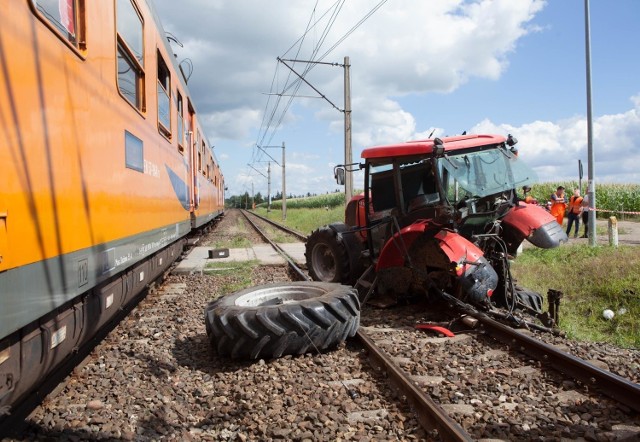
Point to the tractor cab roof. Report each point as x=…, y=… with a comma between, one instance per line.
x=425, y=147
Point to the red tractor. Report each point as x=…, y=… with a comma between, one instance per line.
x=439, y=215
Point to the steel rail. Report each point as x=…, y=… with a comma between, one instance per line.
x=292, y=232
x=431, y=415
x=292, y=264
x=610, y=384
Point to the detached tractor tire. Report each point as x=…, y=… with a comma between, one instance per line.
x=273, y=320
x=333, y=256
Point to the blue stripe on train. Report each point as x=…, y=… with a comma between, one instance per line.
x=179, y=187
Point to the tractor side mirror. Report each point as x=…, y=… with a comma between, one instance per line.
x=338, y=173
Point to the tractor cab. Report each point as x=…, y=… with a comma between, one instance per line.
x=437, y=215
x=466, y=185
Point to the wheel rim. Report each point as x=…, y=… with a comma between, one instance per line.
x=279, y=294
x=324, y=262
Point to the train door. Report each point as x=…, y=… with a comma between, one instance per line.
x=191, y=148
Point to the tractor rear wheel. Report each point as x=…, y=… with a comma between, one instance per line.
x=273, y=320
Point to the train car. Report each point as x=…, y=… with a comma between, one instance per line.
x=103, y=172
x=208, y=183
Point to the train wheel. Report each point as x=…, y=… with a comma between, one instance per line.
x=273, y=320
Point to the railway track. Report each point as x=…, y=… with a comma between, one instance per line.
x=433, y=417
x=295, y=234
x=473, y=375
x=155, y=377
x=295, y=267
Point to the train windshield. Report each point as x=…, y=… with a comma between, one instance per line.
x=487, y=172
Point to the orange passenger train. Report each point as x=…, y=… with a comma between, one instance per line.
x=104, y=169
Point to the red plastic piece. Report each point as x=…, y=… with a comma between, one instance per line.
x=436, y=328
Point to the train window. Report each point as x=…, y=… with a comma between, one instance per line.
x=179, y=106
x=134, y=154
x=196, y=147
x=130, y=53
x=66, y=17
x=164, y=100
x=204, y=152
x=128, y=77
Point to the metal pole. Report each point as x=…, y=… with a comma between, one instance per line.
x=253, y=197
x=592, y=185
x=284, y=188
x=269, y=186
x=348, y=182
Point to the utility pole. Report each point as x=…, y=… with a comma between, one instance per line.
x=284, y=188
x=348, y=189
x=348, y=158
x=269, y=187
x=268, y=181
x=253, y=197
x=591, y=189
x=284, y=177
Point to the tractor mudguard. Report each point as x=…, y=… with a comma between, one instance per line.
x=533, y=223
x=466, y=261
x=456, y=247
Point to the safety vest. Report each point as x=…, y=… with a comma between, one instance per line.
x=575, y=204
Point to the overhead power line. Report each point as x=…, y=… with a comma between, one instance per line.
x=276, y=107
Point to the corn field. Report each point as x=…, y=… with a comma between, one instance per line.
x=611, y=199
x=330, y=200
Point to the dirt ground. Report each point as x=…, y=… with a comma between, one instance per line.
x=628, y=233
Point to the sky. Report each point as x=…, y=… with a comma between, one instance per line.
x=417, y=68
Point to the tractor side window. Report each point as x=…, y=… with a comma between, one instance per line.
x=382, y=191
x=419, y=187
x=130, y=54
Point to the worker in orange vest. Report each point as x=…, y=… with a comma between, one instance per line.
x=558, y=204
x=575, y=209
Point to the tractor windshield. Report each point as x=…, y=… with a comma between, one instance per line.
x=487, y=172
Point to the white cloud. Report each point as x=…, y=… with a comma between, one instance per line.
x=405, y=48
x=235, y=123
x=554, y=148
x=233, y=47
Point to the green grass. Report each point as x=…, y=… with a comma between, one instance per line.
x=304, y=220
x=236, y=240
x=592, y=279
x=234, y=275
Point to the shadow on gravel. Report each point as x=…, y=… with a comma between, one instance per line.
x=196, y=353
x=34, y=432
